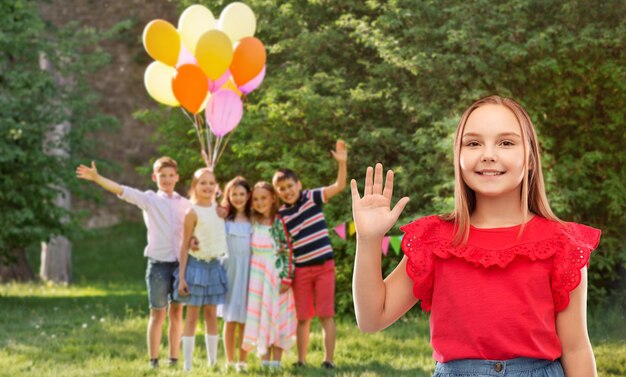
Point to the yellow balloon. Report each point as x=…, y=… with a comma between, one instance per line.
x=158, y=82
x=193, y=22
x=238, y=21
x=214, y=52
x=230, y=85
x=162, y=41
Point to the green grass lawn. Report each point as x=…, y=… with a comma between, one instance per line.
x=96, y=327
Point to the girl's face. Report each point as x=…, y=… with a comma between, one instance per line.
x=206, y=186
x=492, y=152
x=238, y=197
x=262, y=201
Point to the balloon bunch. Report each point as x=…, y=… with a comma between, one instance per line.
x=206, y=64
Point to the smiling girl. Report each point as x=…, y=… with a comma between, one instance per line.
x=201, y=280
x=237, y=198
x=504, y=280
x=271, y=317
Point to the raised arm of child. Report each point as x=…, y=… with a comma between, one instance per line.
x=189, y=225
x=91, y=174
x=341, y=155
x=377, y=302
x=571, y=327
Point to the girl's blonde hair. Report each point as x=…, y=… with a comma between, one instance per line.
x=238, y=181
x=256, y=216
x=195, y=179
x=533, y=195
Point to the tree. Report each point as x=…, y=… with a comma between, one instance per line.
x=31, y=104
x=392, y=79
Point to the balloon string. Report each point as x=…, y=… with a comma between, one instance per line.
x=209, y=137
x=216, y=149
x=195, y=126
x=219, y=156
x=198, y=130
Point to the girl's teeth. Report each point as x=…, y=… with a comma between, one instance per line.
x=491, y=173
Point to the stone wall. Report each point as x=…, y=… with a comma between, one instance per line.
x=121, y=89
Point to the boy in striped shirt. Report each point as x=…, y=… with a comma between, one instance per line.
x=314, y=283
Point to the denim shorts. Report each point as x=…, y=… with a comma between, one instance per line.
x=160, y=282
x=520, y=367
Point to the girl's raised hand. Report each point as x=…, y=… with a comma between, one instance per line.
x=84, y=172
x=372, y=213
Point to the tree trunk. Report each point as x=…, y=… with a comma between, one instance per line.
x=56, y=255
x=56, y=260
x=15, y=267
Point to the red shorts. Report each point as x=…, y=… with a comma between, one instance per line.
x=314, y=291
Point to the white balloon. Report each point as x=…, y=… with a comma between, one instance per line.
x=158, y=82
x=192, y=23
x=238, y=21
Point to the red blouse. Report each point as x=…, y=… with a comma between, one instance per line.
x=496, y=298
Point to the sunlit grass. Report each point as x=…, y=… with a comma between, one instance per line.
x=96, y=327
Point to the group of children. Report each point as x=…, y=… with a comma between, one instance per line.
x=267, y=269
x=504, y=279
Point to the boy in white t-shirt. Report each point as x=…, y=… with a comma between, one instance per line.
x=163, y=213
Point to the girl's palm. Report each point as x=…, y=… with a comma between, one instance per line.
x=372, y=213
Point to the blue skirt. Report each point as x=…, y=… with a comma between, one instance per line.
x=520, y=367
x=207, y=283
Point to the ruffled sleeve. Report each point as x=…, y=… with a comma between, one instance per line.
x=419, y=237
x=577, y=243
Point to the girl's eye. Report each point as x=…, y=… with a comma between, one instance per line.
x=472, y=144
x=507, y=143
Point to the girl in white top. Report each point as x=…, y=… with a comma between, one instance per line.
x=202, y=281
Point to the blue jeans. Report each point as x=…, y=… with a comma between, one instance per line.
x=160, y=282
x=520, y=367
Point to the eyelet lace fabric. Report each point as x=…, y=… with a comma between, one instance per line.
x=570, y=245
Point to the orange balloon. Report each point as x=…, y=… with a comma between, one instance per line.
x=248, y=60
x=190, y=87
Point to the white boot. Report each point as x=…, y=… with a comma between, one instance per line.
x=189, y=342
x=211, y=348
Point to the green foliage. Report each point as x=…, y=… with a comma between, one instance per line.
x=32, y=103
x=392, y=78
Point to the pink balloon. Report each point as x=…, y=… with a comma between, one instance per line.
x=223, y=112
x=253, y=84
x=214, y=86
x=185, y=57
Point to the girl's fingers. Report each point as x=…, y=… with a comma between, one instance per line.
x=388, y=191
x=93, y=165
x=354, y=190
x=378, y=179
x=399, y=207
x=369, y=181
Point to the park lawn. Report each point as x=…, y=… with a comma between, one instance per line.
x=96, y=327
